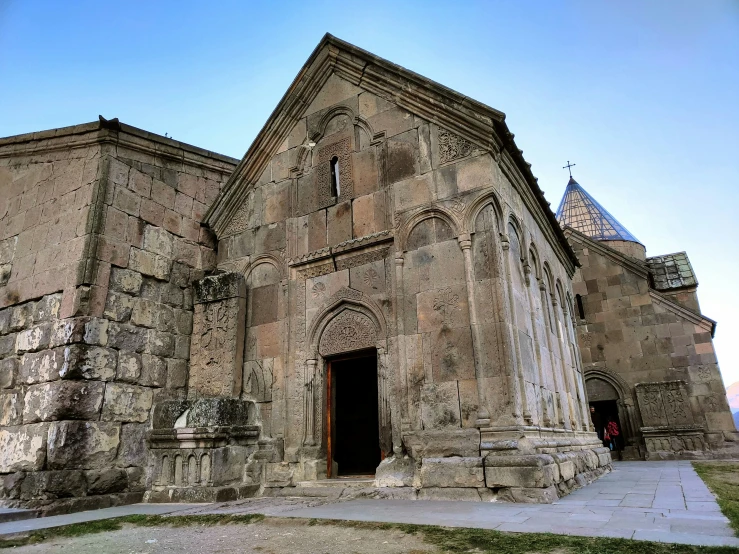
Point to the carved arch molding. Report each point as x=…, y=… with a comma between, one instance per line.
x=347, y=332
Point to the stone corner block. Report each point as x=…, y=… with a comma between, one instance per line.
x=219, y=287
x=455, y=471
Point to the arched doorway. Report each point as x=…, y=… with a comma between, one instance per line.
x=353, y=415
x=610, y=399
x=352, y=407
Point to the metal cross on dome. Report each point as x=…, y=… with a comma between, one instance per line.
x=569, y=167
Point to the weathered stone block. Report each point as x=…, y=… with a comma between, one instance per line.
x=39, y=367
x=106, y=481
x=11, y=408
x=96, y=331
x=153, y=371
x=159, y=343
x=150, y=264
x=176, y=373
x=529, y=495
x=452, y=472
x=82, y=444
x=125, y=280
x=219, y=287
x=50, y=485
x=529, y=471
x=158, y=241
x=7, y=345
x=33, y=339
x=89, y=362
x=126, y=337
x=228, y=464
x=443, y=443
x=23, y=448
x=440, y=405
x=454, y=494
x=63, y=400
x=118, y=307
x=129, y=367
x=395, y=472
x=280, y=474
x=132, y=450
x=8, y=372
x=127, y=403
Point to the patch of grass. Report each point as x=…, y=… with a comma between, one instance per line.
x=723, y=480
x=462, y=540
x=115, y=524
x=451, y=540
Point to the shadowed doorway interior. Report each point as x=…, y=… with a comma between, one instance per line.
x=353, y=416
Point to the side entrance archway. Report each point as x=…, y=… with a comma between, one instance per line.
x=611, y=399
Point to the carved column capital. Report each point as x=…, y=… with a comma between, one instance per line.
x=505, y=241
x=399, y=258
x=465, y=241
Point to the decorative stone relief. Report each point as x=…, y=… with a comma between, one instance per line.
x=446, y=302
x=240, y=221
x=452, y=147
x=217, y=344
x=347, y=332
x=258, y=379
x=342, y=150
x=316, y=271
x=361, y=259
x=319, y=289
x=664, y=404
x=371, y=278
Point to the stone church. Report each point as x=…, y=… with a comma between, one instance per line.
x=376, y=300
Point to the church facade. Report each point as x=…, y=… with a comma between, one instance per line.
x=377, y=290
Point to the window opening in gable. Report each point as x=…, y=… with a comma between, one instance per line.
x=335, y=183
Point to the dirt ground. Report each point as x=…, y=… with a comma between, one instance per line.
x=272, y=536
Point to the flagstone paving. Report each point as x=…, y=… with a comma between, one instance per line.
x=656, y=501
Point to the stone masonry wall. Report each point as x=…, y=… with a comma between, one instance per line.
x=81, y=369
x=632, y=335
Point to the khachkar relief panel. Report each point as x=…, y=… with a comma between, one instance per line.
x=342, y=150
x=452, y=147
x=217, y=343
x=664, y=404
x=347, y=332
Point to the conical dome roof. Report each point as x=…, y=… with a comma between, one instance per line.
x=580, y=211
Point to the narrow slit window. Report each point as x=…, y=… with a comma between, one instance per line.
x=335, y=184
x=580, y=309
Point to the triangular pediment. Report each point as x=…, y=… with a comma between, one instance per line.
x=336, y=64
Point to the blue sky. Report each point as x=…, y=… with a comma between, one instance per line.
x=642, y=95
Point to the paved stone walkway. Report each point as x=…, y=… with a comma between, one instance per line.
x=655, y=501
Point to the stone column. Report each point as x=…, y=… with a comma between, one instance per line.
x=569, y=379
x=558, y=375
x=483, y=416
x=546, y=415
x=401, y=376
x=519, y=376
x=309, y=438
x=217, y=343
x=586, y=423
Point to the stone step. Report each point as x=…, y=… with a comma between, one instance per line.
x=17, y=514
x=339, y=483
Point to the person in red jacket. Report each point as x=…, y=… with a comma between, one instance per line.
x=611, y=433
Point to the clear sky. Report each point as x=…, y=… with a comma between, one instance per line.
x=642, y=95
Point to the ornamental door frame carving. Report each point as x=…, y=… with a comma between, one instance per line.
x=346, y=304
